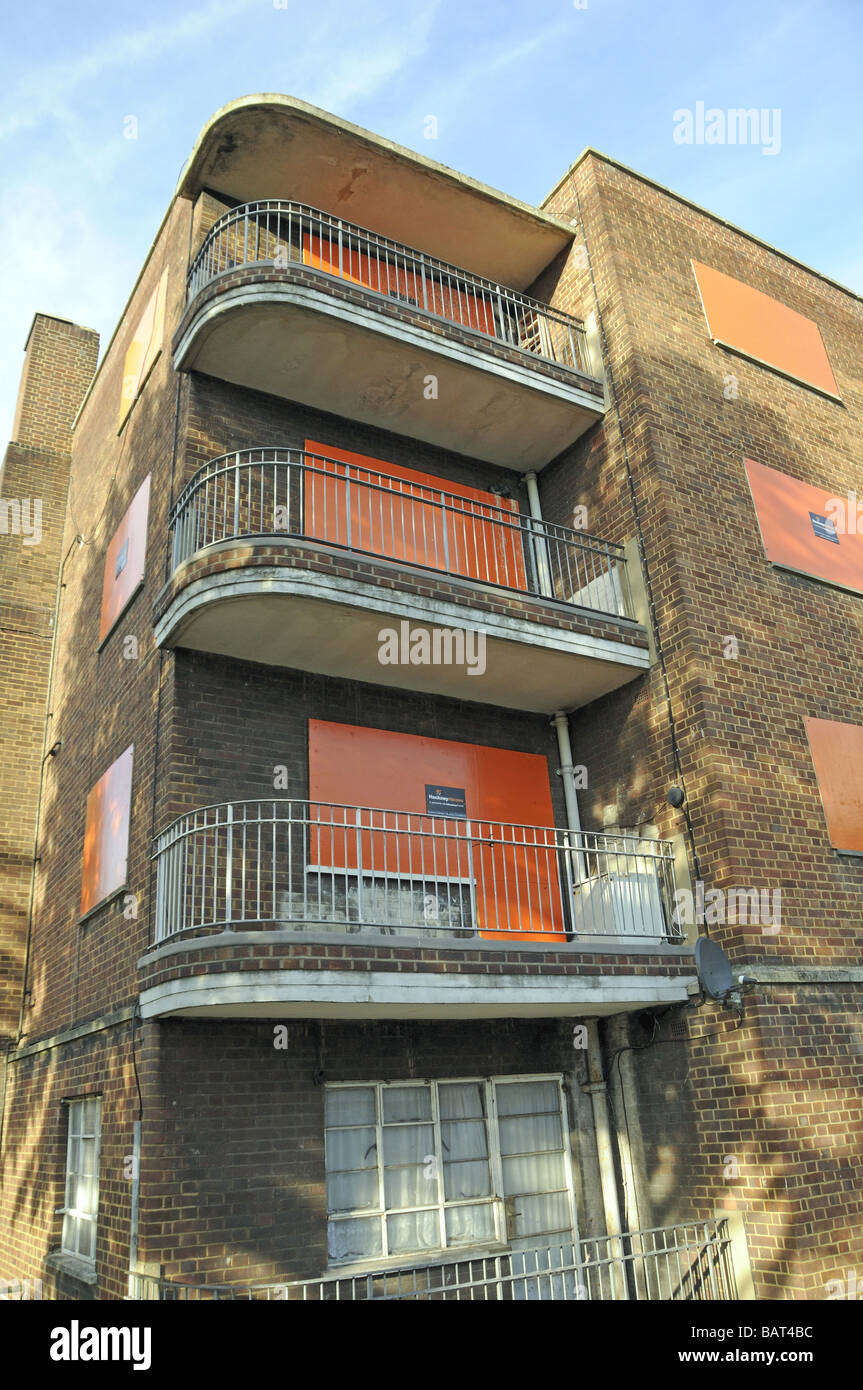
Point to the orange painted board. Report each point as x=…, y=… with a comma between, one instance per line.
x=837, y=753
x=762, y=327
x=408, y=523
x=799, y=530
x=125, y=560
x=144, y=347
x=388, y=277
x=355, y=766
x=106, y=833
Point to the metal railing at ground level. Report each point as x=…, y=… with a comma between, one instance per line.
x=690, y=1262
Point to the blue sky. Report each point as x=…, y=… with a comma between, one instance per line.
x=518, y=87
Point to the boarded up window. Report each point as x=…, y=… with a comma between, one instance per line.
x=837, y=752
x=125, y=560
x=435, y=292
x=753, y=323
x=384, y=509
x=806, y=528
x=144, y=347
x=456, y=793
x=106, y=833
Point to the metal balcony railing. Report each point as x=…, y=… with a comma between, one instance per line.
x=274, y=492
x=278, y=234
x=290, y=865
x=689, y=1263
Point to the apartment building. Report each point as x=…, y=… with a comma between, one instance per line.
x=443, y=617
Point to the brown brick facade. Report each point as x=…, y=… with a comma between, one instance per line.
x=764, y=1118
x=59, y=362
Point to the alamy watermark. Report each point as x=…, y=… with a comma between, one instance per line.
x=845, y=515
x=850, y=1286
x=21, y=516
x=754, y=907
x=437, y=646
x=736, y=126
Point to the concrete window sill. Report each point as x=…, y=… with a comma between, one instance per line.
x=82, y=1270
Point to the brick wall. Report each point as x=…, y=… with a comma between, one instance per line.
x=236, y=1187
x=60, y=360
x=34, y=1157
x=753, y=795
x=781, y=1096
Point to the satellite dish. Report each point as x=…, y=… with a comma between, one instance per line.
x=713, y=968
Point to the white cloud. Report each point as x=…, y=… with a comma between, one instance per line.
x=38, y=95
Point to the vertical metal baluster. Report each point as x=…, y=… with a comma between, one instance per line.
x=229, y=863
x=359, y=840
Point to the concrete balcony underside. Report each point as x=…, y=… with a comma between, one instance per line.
x=302, y=615
x=405, y=989
x=302, y=335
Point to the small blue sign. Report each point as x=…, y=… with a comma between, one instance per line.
x=824, y=528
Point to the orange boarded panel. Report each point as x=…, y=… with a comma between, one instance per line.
x=805, y=528
x=514, y=879
x=125, y=560
x=763, y=328
x=144, y=347
x=384, y=509
x=837, y=752
x=436, y=294
x=106, y=833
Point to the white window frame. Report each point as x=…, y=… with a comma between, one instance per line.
x=496, y=1199
x=77, y=1215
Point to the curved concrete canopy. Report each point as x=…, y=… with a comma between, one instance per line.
x=273, y=146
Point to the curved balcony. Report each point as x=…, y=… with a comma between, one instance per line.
x=292, y=864
x=287, y=299
x=292, y=558
x=252, y=897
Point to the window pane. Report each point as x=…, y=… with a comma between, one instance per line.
x=463, y=1139
x=470, y=1225
x=353, y=1105
x=466, y=1180
x=535, y=1216
x=352, y=1191
x=416, y=1230
x=525, y=1135
x=355, y=1240
x=90, y=1117
x=84, y=1199
x=351, y=1148
x=70, y=1234
x=88, y=1156
x=409, y=1145
x=406, y=1103
x=86, y=1232
x=73, y=1156
x=541, y=1174
x=412, y=1186
x=527, y=1097
x=461, y=1102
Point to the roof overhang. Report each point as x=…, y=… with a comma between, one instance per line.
x=274, y=146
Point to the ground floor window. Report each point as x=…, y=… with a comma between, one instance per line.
x=417, y=1167
x=82, y=1178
